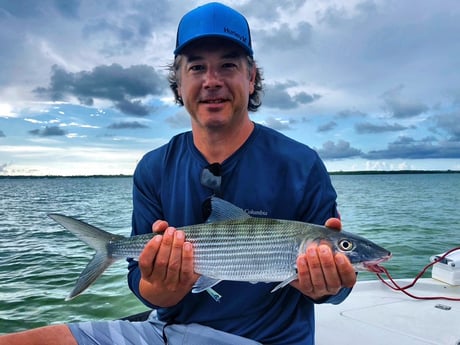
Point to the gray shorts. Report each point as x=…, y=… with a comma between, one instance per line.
x=151, y=332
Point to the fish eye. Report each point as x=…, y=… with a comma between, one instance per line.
x=345, y=245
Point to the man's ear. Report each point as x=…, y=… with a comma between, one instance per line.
x=252, y=79
x=179, y=92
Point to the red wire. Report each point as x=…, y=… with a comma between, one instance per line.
x=403, y=289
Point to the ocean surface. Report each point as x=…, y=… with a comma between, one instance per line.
x=412, y=215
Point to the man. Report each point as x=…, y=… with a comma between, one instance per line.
x=215, y=77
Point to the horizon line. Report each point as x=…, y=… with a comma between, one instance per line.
x=339, y=172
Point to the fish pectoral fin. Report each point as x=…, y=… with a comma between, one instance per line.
x=214, y=294
x=204, y=283
x=285, y=282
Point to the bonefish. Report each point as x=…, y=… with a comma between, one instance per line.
x=231, y=245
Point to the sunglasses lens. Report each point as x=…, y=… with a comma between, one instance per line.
x=211, y=177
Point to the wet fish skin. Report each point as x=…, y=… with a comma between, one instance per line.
x=231, y=246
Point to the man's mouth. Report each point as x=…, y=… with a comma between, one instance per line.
x=213, y=101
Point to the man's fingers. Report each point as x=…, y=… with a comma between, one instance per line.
x=175, y=260
x=334, y=224
x=161, y=260
x=159, y=226
x=303, y=274
x=328, y=265
x=314, y=267
x=188, y=275
x=345, y=269
x=148, y=254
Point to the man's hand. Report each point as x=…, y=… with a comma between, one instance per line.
x=166, y=266
x=320, y=272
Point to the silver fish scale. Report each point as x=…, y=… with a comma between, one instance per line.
x=252, y=249
x=246, y=250
x=129, y=246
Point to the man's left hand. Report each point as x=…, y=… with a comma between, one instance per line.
x=320, y=272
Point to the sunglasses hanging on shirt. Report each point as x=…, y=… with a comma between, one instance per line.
x=211, y=177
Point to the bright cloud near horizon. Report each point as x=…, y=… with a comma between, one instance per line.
x=369, y=84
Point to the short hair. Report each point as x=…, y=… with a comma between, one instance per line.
x=255, y=99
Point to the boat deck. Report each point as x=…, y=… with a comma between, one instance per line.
x=375, y=314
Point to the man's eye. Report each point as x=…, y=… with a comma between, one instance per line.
x=196, y=68
x=229, y=65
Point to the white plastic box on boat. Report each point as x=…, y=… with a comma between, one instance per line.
x=448, y=269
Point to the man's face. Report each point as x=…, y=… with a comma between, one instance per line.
x=215, y=83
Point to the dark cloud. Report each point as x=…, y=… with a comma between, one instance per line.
x=122, y=86
x=22, y=8
x=401, y=107
x=327, y=127
x=276, y=95
x=67, y=8
x=271, y=9
x=349, y=113
x=10, y=51
x=367, y=127
x=280, y=38
x=305, y=98
x=2, y=135
x=124, y=30
x=48, y=131
x=127, y=125
x=123, y=38
x=132, y=107
x=298, y=119
x=337, y=16
x=403, y=148
x=342, y=149
x=449, y=123
x=410, y=148
x=3, y=167
x=285, y=38
x=34, y=9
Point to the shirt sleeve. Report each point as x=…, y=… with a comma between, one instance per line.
x=319, y=196
x=320, y=201
x=335, y=299
x=146, y=210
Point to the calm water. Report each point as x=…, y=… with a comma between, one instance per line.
x=414, y=216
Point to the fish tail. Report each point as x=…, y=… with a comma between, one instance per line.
x=95, y=238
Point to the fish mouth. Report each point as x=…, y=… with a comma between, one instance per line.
x=374, y=265
x=374, y=268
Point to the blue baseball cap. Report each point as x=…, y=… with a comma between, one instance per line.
x=213, y=20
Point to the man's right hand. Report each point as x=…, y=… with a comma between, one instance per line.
x=166, y=266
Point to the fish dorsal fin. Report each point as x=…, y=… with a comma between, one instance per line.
x=222, y=210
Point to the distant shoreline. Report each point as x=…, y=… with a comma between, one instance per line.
x=394, y=172
x=362, y=172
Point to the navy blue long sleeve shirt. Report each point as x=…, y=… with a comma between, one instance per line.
x=271, y=176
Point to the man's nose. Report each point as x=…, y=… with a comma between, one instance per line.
x=212, y=78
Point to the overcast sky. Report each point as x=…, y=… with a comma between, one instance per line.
x=371, y=85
